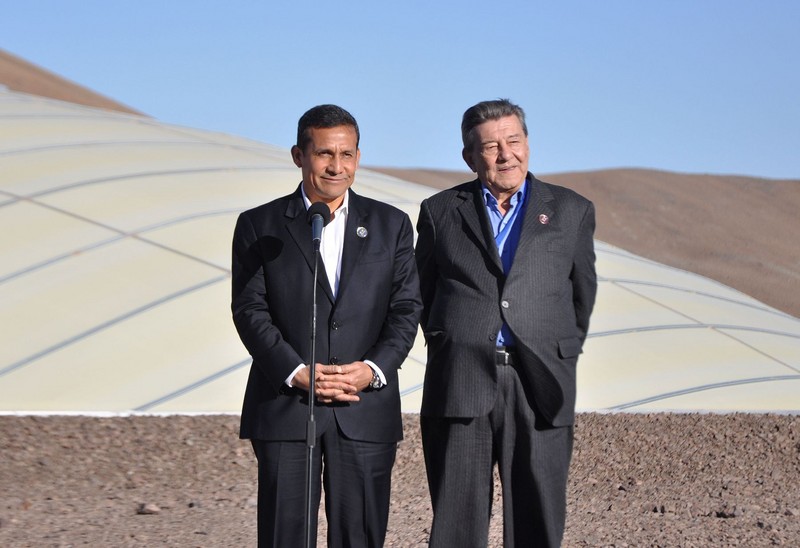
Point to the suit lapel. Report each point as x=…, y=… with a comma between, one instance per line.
x=539, y=209
x=473, y=211
x=357, y=217
x=299, y=230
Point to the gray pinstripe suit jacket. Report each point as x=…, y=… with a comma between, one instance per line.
x=546, y=299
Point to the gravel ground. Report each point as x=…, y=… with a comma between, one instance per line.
x=637, y=480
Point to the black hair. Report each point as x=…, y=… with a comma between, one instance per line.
x=324, y=116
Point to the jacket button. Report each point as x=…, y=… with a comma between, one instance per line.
x=334, y=360
x=335, y=325
x=505, y=304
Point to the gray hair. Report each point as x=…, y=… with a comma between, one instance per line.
x=489, y=110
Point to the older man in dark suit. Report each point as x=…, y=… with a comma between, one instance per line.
x=367, y=314
x=506, y=265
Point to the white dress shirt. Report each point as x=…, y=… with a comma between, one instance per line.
x=331, y=247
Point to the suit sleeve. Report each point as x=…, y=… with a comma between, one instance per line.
x=251, y=313
x=405, y=306
x=583, y=275
x=426, y=260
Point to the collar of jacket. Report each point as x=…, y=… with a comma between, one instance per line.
x=473, y=211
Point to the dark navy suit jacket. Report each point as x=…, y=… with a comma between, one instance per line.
x=374, y=315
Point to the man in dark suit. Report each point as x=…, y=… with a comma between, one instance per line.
x=506, y=265
x=367, y=313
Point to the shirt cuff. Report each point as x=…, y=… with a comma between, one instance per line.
x=290, y=378
x=377, y=370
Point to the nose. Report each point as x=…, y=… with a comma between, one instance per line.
x=503, y=152
x=335, y=165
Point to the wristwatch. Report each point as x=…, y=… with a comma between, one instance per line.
x=376, y=383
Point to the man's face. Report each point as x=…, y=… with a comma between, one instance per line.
x=499, y=154
x=328, y=163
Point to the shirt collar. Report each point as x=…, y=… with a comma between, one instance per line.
x=517, y=198
x=341, y=209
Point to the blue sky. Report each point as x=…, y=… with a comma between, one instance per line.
x=692, y=86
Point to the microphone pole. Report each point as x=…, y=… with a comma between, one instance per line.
x=319, y=215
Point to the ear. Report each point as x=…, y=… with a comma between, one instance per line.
x=297, y=156
x=467, y=155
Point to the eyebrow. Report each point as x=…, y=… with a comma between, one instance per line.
x=329, y=150
x=490, y=141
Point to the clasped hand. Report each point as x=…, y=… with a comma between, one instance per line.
x=336, y=383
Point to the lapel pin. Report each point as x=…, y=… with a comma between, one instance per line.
x=544, y=219
x=361, y=232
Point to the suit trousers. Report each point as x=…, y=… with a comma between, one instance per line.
x=533, y=463
x=357, y=479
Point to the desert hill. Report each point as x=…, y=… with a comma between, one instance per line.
x=19, y=75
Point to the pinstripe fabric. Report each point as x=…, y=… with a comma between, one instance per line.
x=533, y=464
x=525, y=414
x=549, y=295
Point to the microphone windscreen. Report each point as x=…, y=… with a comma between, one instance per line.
x=321, y=209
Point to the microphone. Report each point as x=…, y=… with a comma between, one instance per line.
x=318, y=215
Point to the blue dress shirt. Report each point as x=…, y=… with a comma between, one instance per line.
x=506, y=230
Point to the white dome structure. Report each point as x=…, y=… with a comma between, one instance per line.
x=115, y=238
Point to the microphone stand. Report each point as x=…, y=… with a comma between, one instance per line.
x=311, y=426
